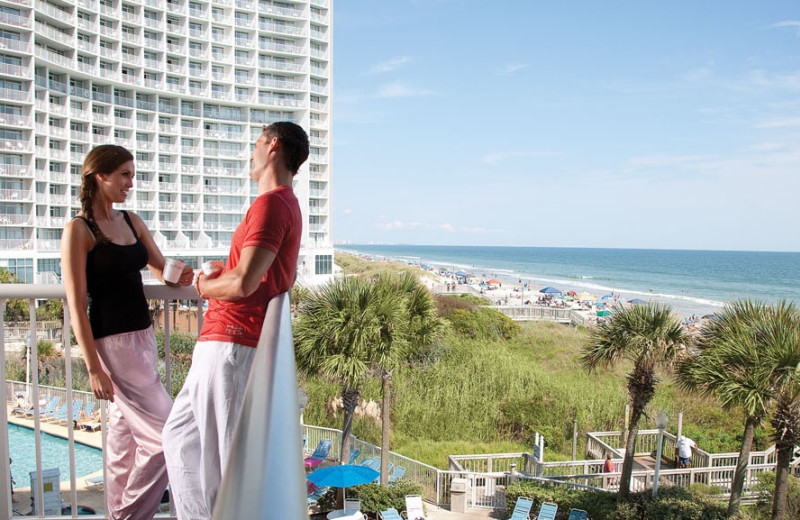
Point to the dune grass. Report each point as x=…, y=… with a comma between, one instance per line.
x=493, y=396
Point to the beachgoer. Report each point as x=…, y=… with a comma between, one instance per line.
x=102, y=253
x=684, y=447
x=608, y=465
x=261, y=264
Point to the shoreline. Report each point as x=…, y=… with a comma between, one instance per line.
x=684, y=306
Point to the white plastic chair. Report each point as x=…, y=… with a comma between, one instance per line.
x=352, y=505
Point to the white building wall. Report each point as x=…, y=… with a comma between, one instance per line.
x=187, y=86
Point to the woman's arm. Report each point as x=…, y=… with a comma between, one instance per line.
x=155, y=260
x=76, y=242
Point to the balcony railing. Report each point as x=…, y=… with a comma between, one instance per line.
x=265, y=473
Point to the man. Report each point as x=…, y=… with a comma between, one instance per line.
x=684, y=447
x=261, y=264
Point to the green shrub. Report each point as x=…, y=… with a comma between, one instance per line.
x=673, y=503
x=178, y=343
x=375, y=498
x=483, y=323
x=600, y=505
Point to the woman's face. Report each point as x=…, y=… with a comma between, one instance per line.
x=115, y=185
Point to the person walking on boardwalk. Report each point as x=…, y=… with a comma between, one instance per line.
x=261, y=264
x=102, y=253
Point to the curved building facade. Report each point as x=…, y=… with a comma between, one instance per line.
x=187, y=86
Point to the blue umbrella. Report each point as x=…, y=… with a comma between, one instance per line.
x=550, y=290
x=606, y=297
x=342, y=476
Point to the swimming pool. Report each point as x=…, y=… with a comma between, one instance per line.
x=55, y=453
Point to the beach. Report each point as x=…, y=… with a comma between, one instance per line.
x=691, y=282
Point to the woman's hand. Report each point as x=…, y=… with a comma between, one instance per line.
x=187, y=276
x=101, y=385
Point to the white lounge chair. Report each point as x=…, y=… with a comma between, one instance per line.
x=414, y=510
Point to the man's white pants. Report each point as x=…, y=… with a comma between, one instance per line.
x=200, y=428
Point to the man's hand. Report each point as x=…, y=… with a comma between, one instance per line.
x=202, y=277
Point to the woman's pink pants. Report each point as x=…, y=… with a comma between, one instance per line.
x=136, y=474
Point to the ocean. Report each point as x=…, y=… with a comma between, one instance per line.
x=692, y=282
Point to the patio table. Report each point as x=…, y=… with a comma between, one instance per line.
x=341, y=514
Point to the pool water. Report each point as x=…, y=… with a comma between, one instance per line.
x=55, y=454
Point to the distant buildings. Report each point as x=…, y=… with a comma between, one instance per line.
x=187, y=86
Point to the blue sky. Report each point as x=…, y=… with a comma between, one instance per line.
x=669, y=125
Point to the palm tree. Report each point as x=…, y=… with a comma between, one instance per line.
x=421, y=329
x=730, y=364
x=780, y=332
x=649, y=336
x=337, y=332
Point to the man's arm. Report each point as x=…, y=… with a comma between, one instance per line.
x=241, y=281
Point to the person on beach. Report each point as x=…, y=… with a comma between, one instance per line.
x=102, y=253
x=261, y=264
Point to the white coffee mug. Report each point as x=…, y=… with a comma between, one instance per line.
x=212, y=266
x=173, y=270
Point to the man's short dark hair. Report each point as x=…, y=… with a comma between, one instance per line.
x=294, y=142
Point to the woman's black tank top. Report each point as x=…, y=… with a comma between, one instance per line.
x=114, y=284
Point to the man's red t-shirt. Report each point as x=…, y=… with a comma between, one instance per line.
x=275, y=223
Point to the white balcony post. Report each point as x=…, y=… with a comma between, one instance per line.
x=5, y=469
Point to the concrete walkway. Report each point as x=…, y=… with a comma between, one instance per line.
x=436, y=513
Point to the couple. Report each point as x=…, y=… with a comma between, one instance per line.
x=103, y=251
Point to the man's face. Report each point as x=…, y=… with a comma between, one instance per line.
x=259, y=158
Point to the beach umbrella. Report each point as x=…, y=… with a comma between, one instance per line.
x=637, y=301
x=606, y=297
x=550, y=290
x=604, y=313
x=494, y=282
x=343, y=476
x=586, y=296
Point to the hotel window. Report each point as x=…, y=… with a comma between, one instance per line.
x=217, y=33
x=9, y=35
x=129, y=9
x=22, y=268
x=150, y=35
x=323, y=264
x=173, y=81
x=218, y=53
x=49, y=265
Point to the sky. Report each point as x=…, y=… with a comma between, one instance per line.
x=665, y=125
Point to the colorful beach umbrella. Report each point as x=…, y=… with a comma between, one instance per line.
x=550, y=290
x=586, y=296
x=604, y=313
x=494, y=282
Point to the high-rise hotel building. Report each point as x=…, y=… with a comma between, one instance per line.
x=187, y=86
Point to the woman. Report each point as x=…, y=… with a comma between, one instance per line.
x=102, y=253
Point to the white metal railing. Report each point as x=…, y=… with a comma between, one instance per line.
x=32, y=293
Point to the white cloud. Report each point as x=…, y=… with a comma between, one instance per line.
x=397, y=225
x=400, y=90
x=494, y=158
x=767, y=147
x=786, y=122
x=511, y=68
x=389, y=65
x=787, y=23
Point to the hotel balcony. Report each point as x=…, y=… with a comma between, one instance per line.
x=16, y=219
x=23, y=21
x=270, y=398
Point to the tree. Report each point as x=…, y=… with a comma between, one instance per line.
x=649, y=336
x=780, y=333
x=421, y=329
x=731, y=365
x=338, y=331
x=17, y=309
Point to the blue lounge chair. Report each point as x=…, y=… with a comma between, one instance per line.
x=547, y=511
x=316, y=494
x=77, y=407
x=62, y=410
x=389, y=514
x=353, y=456
x=522, y=509
x=47, y=408
x=397, y=474
x=578, y=514
x=320, y=454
